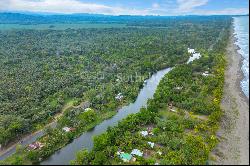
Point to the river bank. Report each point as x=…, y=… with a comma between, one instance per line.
x=86, y=139
x=234, y=132
x=32, y=137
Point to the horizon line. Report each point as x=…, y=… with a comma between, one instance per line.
x=156, y=15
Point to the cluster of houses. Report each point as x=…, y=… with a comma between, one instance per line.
x=119, y=96
x=127, y=157
x=38, y=145
x=196, y=55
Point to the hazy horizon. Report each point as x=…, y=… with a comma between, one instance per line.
x=129, y=7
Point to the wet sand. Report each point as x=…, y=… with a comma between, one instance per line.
x=233, y=148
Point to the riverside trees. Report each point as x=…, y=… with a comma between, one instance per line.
x=183, y=137
x=41, y=70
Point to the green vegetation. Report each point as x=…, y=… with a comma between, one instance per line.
x=40, y=73
x=58, y=26
x=46, y=71
x=184, y=136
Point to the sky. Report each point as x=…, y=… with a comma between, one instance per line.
x=129, y=7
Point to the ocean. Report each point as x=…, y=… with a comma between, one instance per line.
x=241, y=31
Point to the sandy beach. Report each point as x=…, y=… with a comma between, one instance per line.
x=233, y=148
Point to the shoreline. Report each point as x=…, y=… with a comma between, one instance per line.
x=241, y=74
x=234, y=126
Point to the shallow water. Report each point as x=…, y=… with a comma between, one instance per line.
x=241, y=31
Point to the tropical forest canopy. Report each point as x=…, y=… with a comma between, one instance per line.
x=43, y=70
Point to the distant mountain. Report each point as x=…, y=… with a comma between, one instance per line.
x=43, y=18
x=37, y=18
x=48, y=18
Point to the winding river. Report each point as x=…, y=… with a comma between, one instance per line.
x=67, y=153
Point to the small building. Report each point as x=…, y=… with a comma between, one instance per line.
x=144, y=133
x=194, y=57
x=151, y=144
x=119, y=96
x=178, y=88
x=87, y=109
x=159, y=152
x=206, y=73
x=191, y=51
x=35, y=145
x=126, y=157
x=137, y=152
x=68, y=129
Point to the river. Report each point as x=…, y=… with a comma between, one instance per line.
x=67, y=153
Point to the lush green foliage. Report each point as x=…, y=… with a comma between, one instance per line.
x=42, y=70
x=184, y=137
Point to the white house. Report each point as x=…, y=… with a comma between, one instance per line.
x=194, y=57
x=151, y=144
x=136, y=152
x=87, y=109
x=66, y=129
x=206, y=73
x=119, y=96
x=144, y=133
x=191, y=51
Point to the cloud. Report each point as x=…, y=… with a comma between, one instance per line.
x=169, y=7
x=56, y=6
x=227, y=11
x=189, y=5
x=67, y=7
x=155, y=5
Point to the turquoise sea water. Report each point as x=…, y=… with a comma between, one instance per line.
x=241, y=31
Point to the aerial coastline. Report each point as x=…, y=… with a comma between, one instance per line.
x=234, y=131
x=124, y=83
